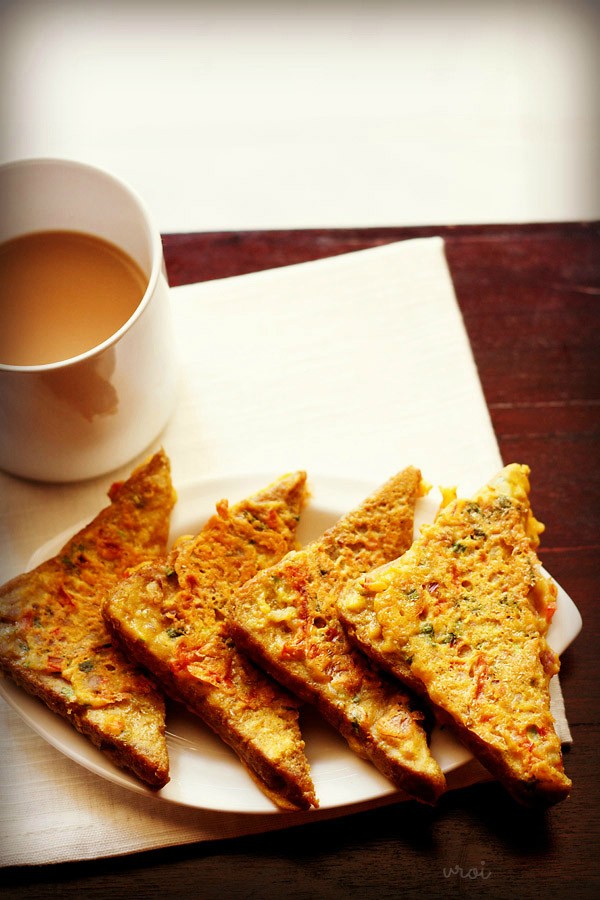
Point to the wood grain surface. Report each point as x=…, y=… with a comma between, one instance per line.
x=530, y=297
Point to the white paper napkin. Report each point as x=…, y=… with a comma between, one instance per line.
x=356, y=365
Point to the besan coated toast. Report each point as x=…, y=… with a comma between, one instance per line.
x=286, y=619
x=53, y=639
x=462, y=618
x=173, y=618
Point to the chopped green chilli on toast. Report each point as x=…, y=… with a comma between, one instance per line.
x=172, y=618
x=286, y=618
x=53, y=639
x=462, y=618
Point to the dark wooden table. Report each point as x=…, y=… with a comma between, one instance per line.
x=530, y=296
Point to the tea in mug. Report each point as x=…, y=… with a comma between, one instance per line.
x=63, y=293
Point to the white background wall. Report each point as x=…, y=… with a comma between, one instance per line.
x=261, y=114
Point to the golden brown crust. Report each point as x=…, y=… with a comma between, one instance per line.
x=53, y=640
x=172, y=619
x=286, y=618
x=462, y=616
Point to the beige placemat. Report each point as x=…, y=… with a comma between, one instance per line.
x=356, y=365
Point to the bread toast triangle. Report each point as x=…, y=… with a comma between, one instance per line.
x=462, y=617
x=173, y=619
x=53, y=640
x=286, y=619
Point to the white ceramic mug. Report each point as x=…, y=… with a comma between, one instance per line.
x=85, y=416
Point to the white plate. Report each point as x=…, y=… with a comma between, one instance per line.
x=205, y=773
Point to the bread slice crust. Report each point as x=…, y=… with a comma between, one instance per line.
x=286, y=619
x=53, y=640
x=172, y=618
x=462, y=618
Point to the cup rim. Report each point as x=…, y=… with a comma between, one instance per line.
x=157, y=262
